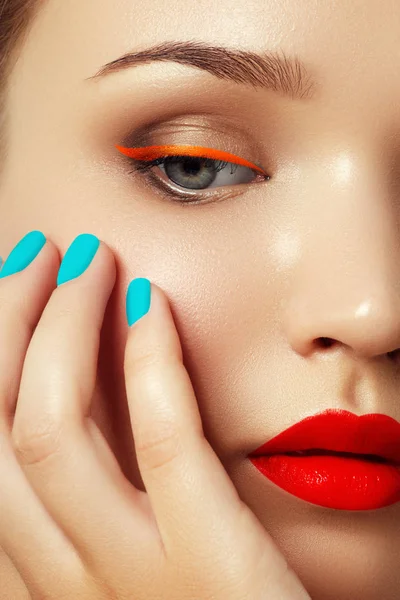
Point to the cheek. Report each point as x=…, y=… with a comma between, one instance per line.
x=226, y=312
x=199, y=255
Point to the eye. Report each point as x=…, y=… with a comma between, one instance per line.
x=198, y=169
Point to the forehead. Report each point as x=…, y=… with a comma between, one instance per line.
x=78, y=37
x=350, y=48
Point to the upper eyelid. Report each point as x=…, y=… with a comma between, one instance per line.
x=152, y=152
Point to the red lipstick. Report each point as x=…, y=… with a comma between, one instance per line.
x=336, y=459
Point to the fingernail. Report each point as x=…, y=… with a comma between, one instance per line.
x=23, y=253
x=138, y=297
x=78, y=257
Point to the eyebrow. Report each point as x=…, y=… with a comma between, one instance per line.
x=268, y=70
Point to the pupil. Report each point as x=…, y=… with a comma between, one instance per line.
x=192, y=165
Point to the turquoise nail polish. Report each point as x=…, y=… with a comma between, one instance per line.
x=23, y=253
x=78, y=257
x=138, y=298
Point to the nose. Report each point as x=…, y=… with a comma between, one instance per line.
x=344, y=289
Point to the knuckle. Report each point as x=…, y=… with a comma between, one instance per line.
x=36, y=443
x=159, y=451
x=153, y=358
x=142, y=363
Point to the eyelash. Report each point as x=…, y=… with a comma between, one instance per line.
x=144, y=168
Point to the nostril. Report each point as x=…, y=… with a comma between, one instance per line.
x=325, y=342
x=393, y=355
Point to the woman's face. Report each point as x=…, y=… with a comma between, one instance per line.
x=259, y=271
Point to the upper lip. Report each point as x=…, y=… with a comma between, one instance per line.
x=339, y=431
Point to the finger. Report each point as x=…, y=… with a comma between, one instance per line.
x=23, y=296
x=42, y=560
x=45, y=559
x=195, y=503
x=51, y=432
x=189, y=490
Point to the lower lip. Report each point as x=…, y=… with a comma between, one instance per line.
x=333, y=481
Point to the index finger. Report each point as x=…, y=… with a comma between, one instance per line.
x=187, y=484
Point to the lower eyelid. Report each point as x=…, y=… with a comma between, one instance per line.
x=166, y=189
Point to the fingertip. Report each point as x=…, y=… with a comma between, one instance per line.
x=163, y=313
x=145, y=297
x=138, y=299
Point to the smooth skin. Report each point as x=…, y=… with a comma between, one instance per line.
x=70, y=521
x=285, y=294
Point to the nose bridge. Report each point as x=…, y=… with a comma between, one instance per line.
x=346, y=284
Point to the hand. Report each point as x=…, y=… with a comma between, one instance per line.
x=70, y=521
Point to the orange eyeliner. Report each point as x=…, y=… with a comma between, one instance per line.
x=153, y=152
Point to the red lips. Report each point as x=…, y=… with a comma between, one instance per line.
x=304, y=461
x=340, y=431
